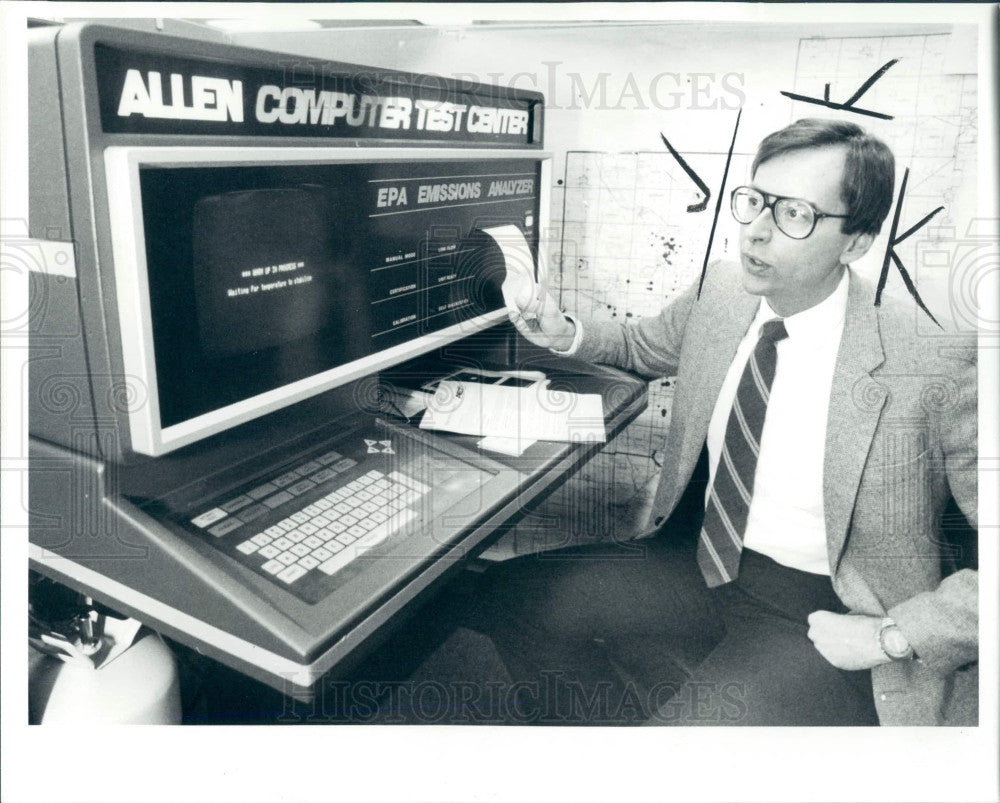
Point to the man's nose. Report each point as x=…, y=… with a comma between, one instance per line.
x=761, y=227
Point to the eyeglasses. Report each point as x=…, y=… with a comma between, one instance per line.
x=793, y=216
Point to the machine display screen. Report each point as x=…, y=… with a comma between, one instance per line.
x=263, y=275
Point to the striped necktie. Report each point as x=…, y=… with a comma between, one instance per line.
x=721, y=541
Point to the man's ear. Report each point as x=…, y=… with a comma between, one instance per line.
x=856, y=248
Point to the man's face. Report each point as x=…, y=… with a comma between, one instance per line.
x=797, y=274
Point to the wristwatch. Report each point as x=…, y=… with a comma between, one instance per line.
x=892, y=641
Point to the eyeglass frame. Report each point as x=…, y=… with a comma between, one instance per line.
x=817, y=215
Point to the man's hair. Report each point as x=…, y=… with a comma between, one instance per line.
x=869, y=170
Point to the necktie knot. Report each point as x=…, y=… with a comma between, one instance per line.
x=773, y=330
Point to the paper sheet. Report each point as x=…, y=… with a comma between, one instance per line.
x=509, y=446
x=525, y=414
x=519, y=285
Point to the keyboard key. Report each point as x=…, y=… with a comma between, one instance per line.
x=329, y=457
x=247, y=547
x=278, y=499
x=336, y=563
x=283, y=543
x=295, y=536
x=273, y=566
x=365, y=480
x=312, y=510
x=301, y=550
x=343, y=464
x=236, y=503
x=307, y=468
x=357, y=531
x=224, y=527
x=374, y=474
x=208, y=517
x=409, y=482
x=324, y=534
x=262, y=539
x=378, y=517
x=375, y=537
x=399, y=520
x=418, y=486
x=309, y=562
x=286, y=524
x=380, y=499
x=308, y=528
x=270, y=551
x=323, y=475
x=369, y=507
x=354, y=486
x=398, y=478
x=274, y=532
x=408, y=496
x=286, y=479
x=337, y=527
x=321, y=521
x=348, y=519
x=261, y=491
x=301, y=487
x=288, y=558
x=313, y=541
x=345, y=539
x=334, y=546
x=253, y=512
x=364, y=496
x=323, y=504
x=299, y=517
x=291, y=574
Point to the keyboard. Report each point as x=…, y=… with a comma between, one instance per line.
x=313, y=520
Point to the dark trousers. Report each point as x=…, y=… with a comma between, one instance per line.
x=627, y=633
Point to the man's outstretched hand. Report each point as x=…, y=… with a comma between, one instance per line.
x=539, y=319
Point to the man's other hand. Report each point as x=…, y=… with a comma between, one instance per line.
x=540, y=320
x=847, y=640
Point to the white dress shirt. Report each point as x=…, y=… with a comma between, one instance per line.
x=786, y=520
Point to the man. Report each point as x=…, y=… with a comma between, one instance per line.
x=835, y=435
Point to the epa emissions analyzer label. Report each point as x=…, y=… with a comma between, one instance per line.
x=399, y=194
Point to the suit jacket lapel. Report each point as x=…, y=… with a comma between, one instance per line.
x=721, y=335
x=856, y=402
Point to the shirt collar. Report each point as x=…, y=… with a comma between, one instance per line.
x=819, y=319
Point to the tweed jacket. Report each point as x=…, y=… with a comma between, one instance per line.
x=901, y=437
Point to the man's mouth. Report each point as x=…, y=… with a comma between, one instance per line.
x=755, y=265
